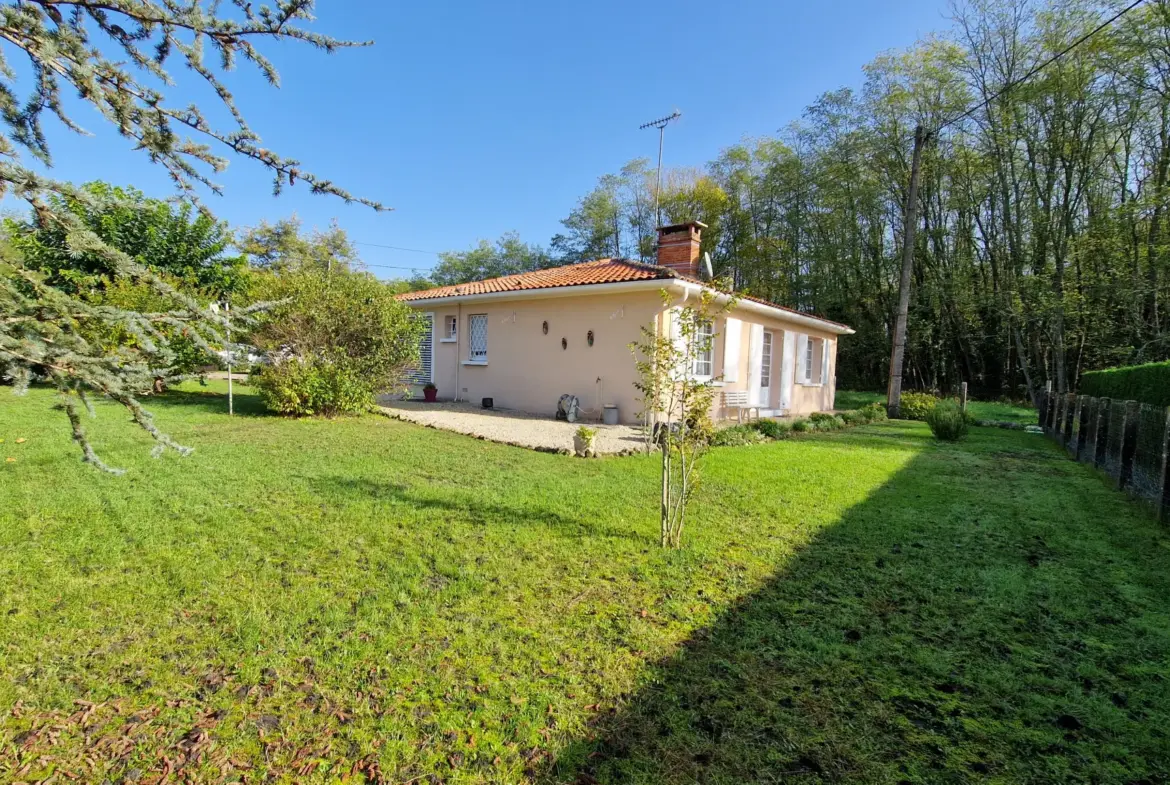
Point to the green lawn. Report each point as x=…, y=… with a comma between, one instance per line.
x=998, y=411
x=368, y=600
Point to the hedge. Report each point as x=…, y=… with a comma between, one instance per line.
x=1149, y=383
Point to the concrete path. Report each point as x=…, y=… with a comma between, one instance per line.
x=520, y=429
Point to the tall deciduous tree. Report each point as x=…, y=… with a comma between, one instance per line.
x=1043, y=247
x=506, y=256
x=283, y=246
x=113, y=55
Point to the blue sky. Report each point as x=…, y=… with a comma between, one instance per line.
x=474, y=120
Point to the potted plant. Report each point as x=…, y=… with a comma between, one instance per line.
x=430, y=392
x=583, y=442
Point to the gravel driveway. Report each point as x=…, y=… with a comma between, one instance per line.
x=520, y=429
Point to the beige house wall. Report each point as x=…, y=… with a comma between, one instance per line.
x=528, y=370
x=804, y=399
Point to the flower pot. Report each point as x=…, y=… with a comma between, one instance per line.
x=430, y=394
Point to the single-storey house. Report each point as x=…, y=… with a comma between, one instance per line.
x=524, y=340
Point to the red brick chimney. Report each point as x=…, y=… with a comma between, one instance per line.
x=678, y=247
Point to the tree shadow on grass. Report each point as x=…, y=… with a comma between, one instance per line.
x=970, y=620
x=245, y=402
x=471, y=510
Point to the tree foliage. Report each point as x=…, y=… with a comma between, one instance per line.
x=336, y=339
x=506, y=256
x=114, y=55
x=187, y=246
x=1043, y=249
x=283, y=246
x=675, y=402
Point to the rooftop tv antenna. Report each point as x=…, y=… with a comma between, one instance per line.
x=660, y=124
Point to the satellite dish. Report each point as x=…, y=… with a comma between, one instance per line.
x=707, y=266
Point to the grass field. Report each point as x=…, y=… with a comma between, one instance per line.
x=368, y=600
x=998, y=411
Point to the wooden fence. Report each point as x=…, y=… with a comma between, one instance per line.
x=1127, y=440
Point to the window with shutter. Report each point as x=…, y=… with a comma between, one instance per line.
x=424, y=373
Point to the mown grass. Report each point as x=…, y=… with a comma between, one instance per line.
x=996, y=411
x=306, y=601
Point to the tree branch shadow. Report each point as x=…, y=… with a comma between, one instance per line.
x=953, y=627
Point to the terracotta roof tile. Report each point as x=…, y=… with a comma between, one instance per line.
x=582, y=274
x=598, y=271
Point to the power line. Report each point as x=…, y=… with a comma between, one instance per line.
x=396, y=248
x=394, y=267
x=1041, y=66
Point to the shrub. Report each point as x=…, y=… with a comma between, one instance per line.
x=916, y=405
x=341, y=334
x=1149, y=383
x=801, y=426
x=824, y=421
x=736, y=436
x=773, y=429
x=874, y=412
x=303, y=388
x=853, y=417
x=947, y=421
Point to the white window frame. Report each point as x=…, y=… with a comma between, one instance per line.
x=474, y=358
x=808, y=360
x=766, y=354
x=704, y=330
x=813, y=362
x=450, y=329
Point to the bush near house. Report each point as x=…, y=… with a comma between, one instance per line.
x=947, y=421
x=916, y=405
x=338, y=338
x=737, y=436
x=1149, y=383
x=775, y=430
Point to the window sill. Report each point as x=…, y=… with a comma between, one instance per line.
x=474, y=362
x=810, y=384
x=448, y=340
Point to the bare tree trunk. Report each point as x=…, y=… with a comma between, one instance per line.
x=898, y=350
x=1023, y=355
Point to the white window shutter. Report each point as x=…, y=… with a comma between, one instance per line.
x=424, y=372
x=824, y=361
x=732, y=332
x=755, y=345
x=801, y=357
x=680, y=344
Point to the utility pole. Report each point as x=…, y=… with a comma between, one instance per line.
x=660, y=124
x=898, y=352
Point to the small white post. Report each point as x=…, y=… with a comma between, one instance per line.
x=228, y=308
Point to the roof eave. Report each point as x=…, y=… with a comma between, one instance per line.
x=644, y=285
x=578, y=290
